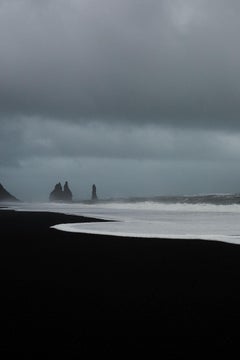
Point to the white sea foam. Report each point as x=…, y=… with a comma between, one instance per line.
x=151, y=219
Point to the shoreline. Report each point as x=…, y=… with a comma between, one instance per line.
x=62, y=289
x=222, y=224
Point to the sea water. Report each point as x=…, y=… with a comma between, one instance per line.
x=211, y=217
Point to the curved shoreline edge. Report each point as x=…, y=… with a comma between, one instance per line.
x=74, y=220
x=71, y=228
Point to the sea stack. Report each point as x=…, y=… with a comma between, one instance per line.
x=5, y=195
x=61, y=194
x=57, y=193
x=94, y=193
x=67, y=194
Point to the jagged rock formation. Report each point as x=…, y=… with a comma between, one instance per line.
x=60, y=194
x=56, y=194
x=94, y=193
x=67, y=194
x=5, y=195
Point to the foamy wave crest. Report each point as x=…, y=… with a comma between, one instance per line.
x=134, y=230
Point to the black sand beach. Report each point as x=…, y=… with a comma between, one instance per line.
x=74, y=294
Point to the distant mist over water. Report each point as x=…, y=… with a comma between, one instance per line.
x=215, y=199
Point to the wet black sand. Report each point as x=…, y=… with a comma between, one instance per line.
x=76, y=294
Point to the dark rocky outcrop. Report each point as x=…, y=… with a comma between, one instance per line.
x=56, y=194
x=61, y=194
x=67, y=194
x=94, y=193
x=5, y=195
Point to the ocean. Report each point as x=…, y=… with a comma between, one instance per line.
x=206, y=217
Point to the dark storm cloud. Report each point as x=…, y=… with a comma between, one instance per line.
x=139, y=96
x=164, y=62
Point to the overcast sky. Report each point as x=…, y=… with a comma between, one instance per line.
x=141, y=97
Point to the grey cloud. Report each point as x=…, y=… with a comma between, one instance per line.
x=25, y=139
x=139, y=96
x=169, y=63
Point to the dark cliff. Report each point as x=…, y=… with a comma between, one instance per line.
x=5, y=195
